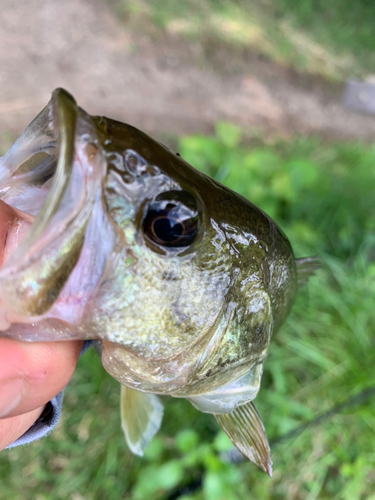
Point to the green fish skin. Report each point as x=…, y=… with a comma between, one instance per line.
x=179, y=279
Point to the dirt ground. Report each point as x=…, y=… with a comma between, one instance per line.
x=160, y=85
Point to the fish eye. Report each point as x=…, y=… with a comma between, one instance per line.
x=172, y=220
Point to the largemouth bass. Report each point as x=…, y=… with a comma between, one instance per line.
x=180, y=280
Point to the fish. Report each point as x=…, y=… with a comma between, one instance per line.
x=180, y=281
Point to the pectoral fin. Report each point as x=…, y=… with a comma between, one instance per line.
x=245, y=429
x=141, y=416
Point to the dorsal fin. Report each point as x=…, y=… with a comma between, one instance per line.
x=306, y=267
x=245, y=429
x=141, y=416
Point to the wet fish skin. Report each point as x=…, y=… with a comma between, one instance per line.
x=189, y=317
x=240, y=266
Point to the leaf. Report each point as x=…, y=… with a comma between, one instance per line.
x=303, y=173
x=222, y=442
x=186, y=440
x=228, y=133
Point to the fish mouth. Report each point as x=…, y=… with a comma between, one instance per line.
x=50, y=185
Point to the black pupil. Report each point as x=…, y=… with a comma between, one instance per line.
x=168, y=230
x=171, y=222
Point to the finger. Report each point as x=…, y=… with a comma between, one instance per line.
x=12, y=428
x=33, y=373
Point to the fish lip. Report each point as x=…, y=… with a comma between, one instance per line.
x=65, y=116
x=62, y=113
x=66, y=208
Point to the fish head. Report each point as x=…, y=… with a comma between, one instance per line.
x=192, y=302
x=181, y=280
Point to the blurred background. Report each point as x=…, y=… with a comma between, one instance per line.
x=250, y=93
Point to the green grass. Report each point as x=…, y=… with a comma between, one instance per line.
x=346, y=27
x=334, y=39
x=322, y=196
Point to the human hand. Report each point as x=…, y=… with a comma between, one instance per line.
x=31, y=374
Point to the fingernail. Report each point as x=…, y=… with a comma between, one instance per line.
x=12, y=392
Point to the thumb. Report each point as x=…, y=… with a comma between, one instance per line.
x=33, y=373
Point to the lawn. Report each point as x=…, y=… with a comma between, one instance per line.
x=322, y=196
